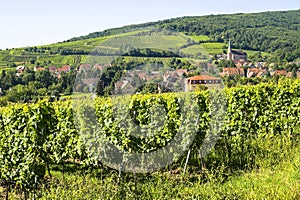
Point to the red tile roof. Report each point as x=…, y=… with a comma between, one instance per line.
x=202, y=77
x=39, y=68
x=97, y=66
x=84, y=66
x=64, y=68
x=252, y=72
x=280, y=72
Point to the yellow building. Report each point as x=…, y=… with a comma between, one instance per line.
x=197, y=83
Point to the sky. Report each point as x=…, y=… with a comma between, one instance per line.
x=37, y=22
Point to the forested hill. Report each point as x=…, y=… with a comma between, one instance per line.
x=276, y=31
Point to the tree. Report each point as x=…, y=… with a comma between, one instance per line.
x=32, y=61
x=100, y=88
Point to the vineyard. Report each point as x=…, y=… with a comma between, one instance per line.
x=255, y=126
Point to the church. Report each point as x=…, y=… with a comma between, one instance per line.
x=236, y=56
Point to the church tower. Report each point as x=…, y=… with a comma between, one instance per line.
x=229, y=53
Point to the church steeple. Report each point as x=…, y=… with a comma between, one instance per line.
x=229, y=47
x=229, y=53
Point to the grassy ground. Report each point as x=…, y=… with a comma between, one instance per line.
x=280, y=181
x=251, y=53
x=205, y=49
x=199, y=38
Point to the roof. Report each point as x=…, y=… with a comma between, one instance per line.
x=20, y=68
x=64, y=68
x=181, y=71
x=234, y=71
x=84, y=65
x=202, y=77
x=255, y=72
x=39, y=69
x=281, y=72
x=97, y=66
x=52, y=68
x=239, y=52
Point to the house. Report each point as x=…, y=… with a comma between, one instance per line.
x=99, y=67
x=279, y=72
x=291, y=75
x=52, y=69
x=180, y=72
x=38, y=68
x=84, y=66
x=261, y=65
x=231, y=71
x=195, y=83
x=90, y=82
x=20, y=69
x=124, y=87
x=254, y=72
x=65, y=68
x=142, y=75
x=236, y=55
x=170, y=78
x=239, y=64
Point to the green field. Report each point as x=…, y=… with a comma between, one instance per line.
x=251, y=53
x=205, y=49
x=114, y=45
x=199, y=38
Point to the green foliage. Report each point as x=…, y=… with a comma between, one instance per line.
x=200, y=38
x=260, y=122
x=24, y=131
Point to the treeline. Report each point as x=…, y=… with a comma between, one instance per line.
x=151, y=53
x=58, y=50
x=31, y=86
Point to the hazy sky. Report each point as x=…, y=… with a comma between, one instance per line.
x=37, y=22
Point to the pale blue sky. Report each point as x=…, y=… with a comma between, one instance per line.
x=37, y=22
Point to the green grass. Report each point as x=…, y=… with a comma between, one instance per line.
x=277, y=177
x=251, y=53
x=157, y=41
x=278, y=182
x=199, y=38
x=205, y=49
x=213, y=48
x=194, y=50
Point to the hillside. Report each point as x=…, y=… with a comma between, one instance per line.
x=276, y=34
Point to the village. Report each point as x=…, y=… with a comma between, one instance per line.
x=180, y=79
